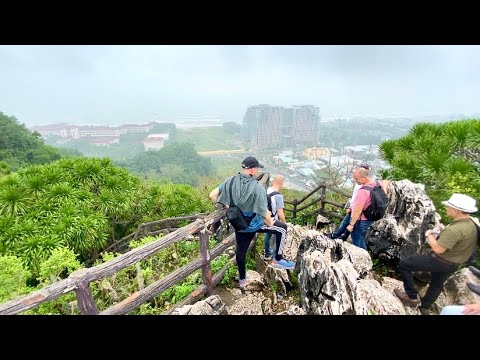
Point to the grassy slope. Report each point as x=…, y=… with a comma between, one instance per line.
x=207, y=138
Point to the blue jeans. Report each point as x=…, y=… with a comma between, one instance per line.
x=342, y=228
x=358, y=233
x=267, y=244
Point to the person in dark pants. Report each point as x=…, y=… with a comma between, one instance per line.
x=251, y=198
x=454, y=246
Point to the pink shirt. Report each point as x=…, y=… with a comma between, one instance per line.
x=363, y=198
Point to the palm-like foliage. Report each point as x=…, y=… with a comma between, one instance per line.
x=422, y=129
x=35, y=184
x=387, y=150
x=14, y=201
x=433, y=163
x=52, y=173
x=458, y=133
x=441, y=156
x=405, y=165
x=459, y=166
x=406, y=143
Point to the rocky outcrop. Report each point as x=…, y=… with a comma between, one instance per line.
x=212, y=305
x=251, y=303
x=456, y=292
x=400, y=233
x=335, y=279
x=255, y=281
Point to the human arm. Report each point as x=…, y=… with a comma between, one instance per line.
x=471, y=309
x=214, y=194
x=432, y=241
x=356, y=213
x=444, y=240
x=268, y=219
x=281, y=215
x=279, y=207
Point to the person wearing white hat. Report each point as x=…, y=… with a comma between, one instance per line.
x=451, y=247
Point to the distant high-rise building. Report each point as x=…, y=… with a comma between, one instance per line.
x=266, y=126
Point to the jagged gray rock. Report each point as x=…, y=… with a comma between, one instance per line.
x=335, y=278
x=278, y=278
x=400, y=233
x=255, y=281
x=456, y=292
x=249, y=304
x=292, y=310
x=212, y=305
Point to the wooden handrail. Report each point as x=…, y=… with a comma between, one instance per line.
x=79, y=277
x=79, y=281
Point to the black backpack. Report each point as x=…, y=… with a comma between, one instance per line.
x=376, y=210
x=269, y=201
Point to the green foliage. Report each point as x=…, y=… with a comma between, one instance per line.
x=178, y=163
x=61, y=263
x=445, y=157
x=13, y=277
x=82, y=204
x=4, y=168
x=19, y=146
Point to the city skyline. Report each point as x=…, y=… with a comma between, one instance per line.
x=108, y=85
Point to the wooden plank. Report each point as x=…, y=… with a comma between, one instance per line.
x=205, y=254
x=33, y=299
x=101, y=271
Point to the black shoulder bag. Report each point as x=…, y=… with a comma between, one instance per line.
x=236, y=217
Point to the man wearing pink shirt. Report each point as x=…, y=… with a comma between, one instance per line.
x=358, y=222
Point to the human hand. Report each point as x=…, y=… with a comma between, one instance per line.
x=471, y=309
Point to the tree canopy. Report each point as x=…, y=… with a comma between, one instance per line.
x=445, y=157
x=178, y=163
x=19, y=146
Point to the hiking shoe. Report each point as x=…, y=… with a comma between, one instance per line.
x=474, y=288
x=283, y=264
x=243, y=283
x=344, y=237
x=328, y=235
x=405, y=299
x=474, y=271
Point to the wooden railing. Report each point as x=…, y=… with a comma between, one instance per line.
x=322, y=199
x=79, y=281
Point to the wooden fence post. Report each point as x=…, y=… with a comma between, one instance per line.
x=295, y=203
x=205, y=253
x=323, y=192
x=85, y=300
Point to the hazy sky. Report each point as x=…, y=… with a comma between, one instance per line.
x=118, y=84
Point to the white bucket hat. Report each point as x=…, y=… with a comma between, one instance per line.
x=461, y=202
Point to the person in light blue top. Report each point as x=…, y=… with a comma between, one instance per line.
x=250, y=197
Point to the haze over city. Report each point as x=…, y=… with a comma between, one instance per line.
x=136, y=84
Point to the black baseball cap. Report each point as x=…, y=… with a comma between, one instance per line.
x=250, y=162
